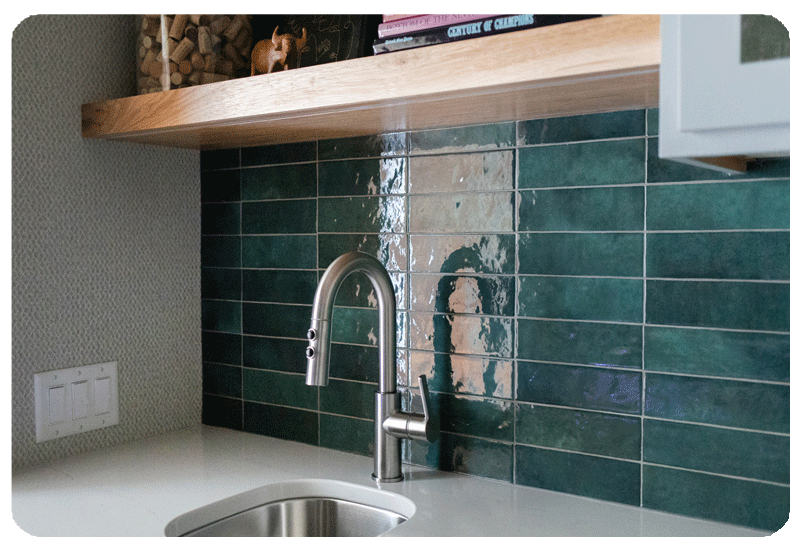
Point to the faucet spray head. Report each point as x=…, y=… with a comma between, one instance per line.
x=317, y=353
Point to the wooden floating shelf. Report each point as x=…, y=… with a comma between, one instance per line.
x=595, y=65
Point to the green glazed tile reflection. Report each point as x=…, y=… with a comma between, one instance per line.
x=293, y=287
x=589, y=163
x=571, y=430
x=461, y=213
x=356, y=290
x=584, y=209
x=281, y=251
x=588, y=476
x=288, y=321
x=717, y=450
x=290, y=216
x=583, y=387
x=602, y=344
x=348, y=398
x=599, y=299
x=279, y=182
x=475, y=416
x=259, y=352
x=281, y=422
x=350, y=435
x=459, y=374
x=278, y=388
x=462, y=139
x=463, y=294
x=221, y=315
x=730, y=403
x=391, y=249
x=609, y=254
x=733, y=354
x=360, y=326
x=465, y=334
x=492, y=171
x=728, y=205
x=219, y=219
x=737, y=501
x=354, y=362
x=363, y=146
x=362, y=215
x=463, y=253
x=362, y=177
x=467, y=455
x=723, y=304
x=581, y=127
x=730, y=255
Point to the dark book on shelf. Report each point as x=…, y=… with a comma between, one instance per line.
x=474, y=29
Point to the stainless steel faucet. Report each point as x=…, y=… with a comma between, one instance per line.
x=391, y=424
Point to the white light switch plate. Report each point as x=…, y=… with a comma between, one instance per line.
x=75, y=400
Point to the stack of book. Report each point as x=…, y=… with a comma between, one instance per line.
x=403, y=32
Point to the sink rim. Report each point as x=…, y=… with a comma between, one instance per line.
x=287, y=490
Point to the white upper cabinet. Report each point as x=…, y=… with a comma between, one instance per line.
x=724, y=89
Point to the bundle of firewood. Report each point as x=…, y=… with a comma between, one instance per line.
x=199, y=49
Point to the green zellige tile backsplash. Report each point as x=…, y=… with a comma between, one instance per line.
x=591, y=319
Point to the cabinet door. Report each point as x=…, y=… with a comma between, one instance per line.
x=724, y=89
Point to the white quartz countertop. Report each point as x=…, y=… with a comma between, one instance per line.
x=137, y=488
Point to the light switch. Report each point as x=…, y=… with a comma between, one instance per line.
x=102, y=395
x=80, y=399
x=57, y=400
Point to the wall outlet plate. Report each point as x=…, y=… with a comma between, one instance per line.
x=75, y=400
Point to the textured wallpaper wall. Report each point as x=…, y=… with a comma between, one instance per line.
x=105, y=240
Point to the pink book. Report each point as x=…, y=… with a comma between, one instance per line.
x=423, y=22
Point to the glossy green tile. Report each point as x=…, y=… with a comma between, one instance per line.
x=466, y=455
x=718, y=450
x=280, y=251
x=607, y=254
x=363, y=146
x=351, y=435
x=348, y=398
x=362, y=177
x=586, y=432
x=278, y=388
x=259, y=352
x=582, y=209
x=723, y=304
x=220, y=251
x=351, y=325
x=289, y=216
x=224, y=380
x=221, y=347
x=289, y=321
x=221, y=158
x=588, y=476
x=602, y=344
x=279, y=154
x=353, y=362
x=461, y=213
x=362, y=215
x=618, y=124
x=465, y=334
x=652, y=121
x=727, y=205
x=221, y=316
x=463, y=253
x=220, y=186
x=458, y=374
x=463, y=294
x=289, y=181
x=592, y=388
x=732, y=403
x=733, y=354
x=490, y=171
x=356, y=290
x=391, y=249
x=281, y=422
x=729, y=255
x=224, y=412
x=220, y=283
x=474, y=416
x=465, y=138
x=738, y=501
x=665, y=170
x=267, y=285
x=589, y=163
x=600, y=299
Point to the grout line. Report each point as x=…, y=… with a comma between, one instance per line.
x=644, y=316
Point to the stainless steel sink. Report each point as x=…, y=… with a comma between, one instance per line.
x=305, y=508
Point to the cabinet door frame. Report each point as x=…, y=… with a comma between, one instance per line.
x=710, y=104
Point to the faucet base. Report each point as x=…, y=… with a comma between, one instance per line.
x=389, y=480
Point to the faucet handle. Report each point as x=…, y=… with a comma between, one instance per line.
x=424, y=395
x=423, y=427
